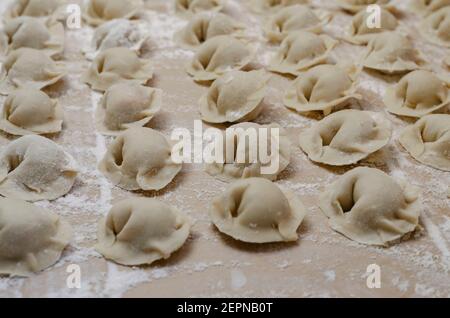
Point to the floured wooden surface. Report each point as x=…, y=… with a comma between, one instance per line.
x=322, y=263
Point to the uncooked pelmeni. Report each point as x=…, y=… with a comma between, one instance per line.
x=345, y=137
x=235, y=97
x=301, y=50
x=190, y=7
x=218, y=56
x=141, y=231
x=140, y=159
x=425, y=7
x=264, y=6
x=26, y=32
x=359, y=5
x=115, y=33
x=126, y=105
x=116, y=65
x=360, y=32
x=428, y=141
x=240, y=163
x=256, y=210
x=29, y=111
x=391, y=53
x=436, y=27
x=34, y=168
x=294, y=18
x=100, y=11
x=368, y=206
x=31, y=238
x=322, y=88
x=29, y=68
x=418, y=93
x=205, y=26
x=33, y=8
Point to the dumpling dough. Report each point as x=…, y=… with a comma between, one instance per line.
x=301, y=50
x=140, y=159
x=426, y=7
x=205, y=26
x=218, y=56
x=126, y=105
x=141, y=231
x=293, y=18
x=345, y=137
x=361, y=34
x=190, y=7
x=256, y=210
x=322, y=88
x=116, y=33
x=428, y=141
x=33, y=33
x=235, y=97
x=240, y=164
x=101, y=11
x=358, y=5
x=261, y=6
x=33, y=8
x=368, y=206
x=31, y=238
x=391, y=53
x=34, y=168
x=29, y=68
x=417, y=94
x=447, y=61
x=28, y=111
x=436, y=27
x=115, y=65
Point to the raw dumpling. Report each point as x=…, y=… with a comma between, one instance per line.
x=29, y=68
x=126, y=105
x=33, y=8
x=426, y=7
x=218, y=56
x=256, y=210
x=101, y=11
x=205, y=26
x=116, y=33
x=245, y=157
x=428, y=141
x=141, y=231
x=392, y=53
x=436, y=27
x=293, y=18
x=360, y=33
x=358, y=5
x=34, y=168
x=301, y=50
x=31, y=238
x=140, y=159
x=33, y=33
x=115, y=65
x=194, y=6
x=417, y=94
x=368, y=206
x=274, y=5
x=345, y=137
x=235, y=97
x=322, y=88
x=28, y=111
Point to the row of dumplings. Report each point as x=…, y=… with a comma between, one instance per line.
x=31, y=45
x=140, y=231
